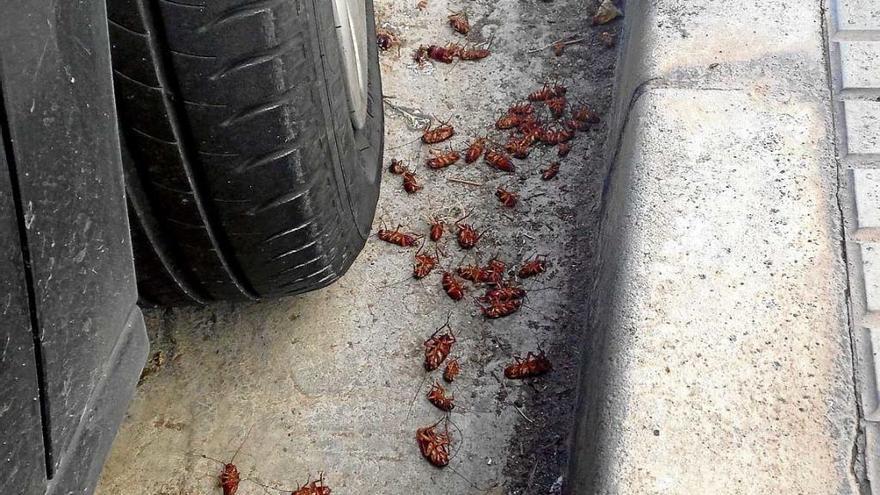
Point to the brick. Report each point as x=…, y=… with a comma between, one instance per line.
x=862, y=126
x=857, y=14
x=871, y=272
x=867, y=193
x=858, y=64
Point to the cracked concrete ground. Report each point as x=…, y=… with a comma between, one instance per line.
x=333, y=381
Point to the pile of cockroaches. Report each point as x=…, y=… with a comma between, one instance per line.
x=544, y=118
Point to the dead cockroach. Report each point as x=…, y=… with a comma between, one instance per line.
x=423, y=265
x=563, y=149
x=556, y=135
x=459, y=22
x=386, y=39
x=500, y=309
x=397, y=167
x=507, y=121
x=467, y=235
x=434, y=445
x=532, y=365
x=558, y=48
x=523, y=108
x=507, y=198
x=548, y=91
x=437, y=229
x=450, y=373
x=473, y=53
x=452, y=286
x=397, y=237
x=410, y=184
x=229, y=477
x=442, y=159
x=518, y=148
x=437, y=396
x=420, y=55
x=445, y=54
x=493, y=273
x=508, y=293
x=584, y=114
x=469, y=272
x=437, y=347
x=474, y=150
x=576, y=125
x=557, y=106
x=316, y=487
x=498, y=159
x=550, y=172
x=533, y=267
x=437, y=134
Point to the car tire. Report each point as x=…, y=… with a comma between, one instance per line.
x=247, y=174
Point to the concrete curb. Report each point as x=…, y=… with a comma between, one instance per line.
x=720, y=359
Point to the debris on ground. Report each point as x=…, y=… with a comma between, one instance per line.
x=606, y=13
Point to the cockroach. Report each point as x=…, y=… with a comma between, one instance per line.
x=498, y=159
x=557, y=90
x=563, y=149
x=437, y=134
x=556, y=135
x=558, y=48
x=500, y=309
x=229, y=477
x=508, y=293
x=507, y=198
x=450, y=373
x=576, y=125
x=386, y=39
x=437, y=347
x=437, y=396
x=584, y=114
x=397, y=237
x=532, y=365
x=493, y=272
x=442, y=159
x=469, y=54
x=410, y=184
x=523, y=108
x=420, y=55
x=422, y=5
x=467, y=235
x=452, y=286
x=550, y=172
x=397, y=167
x=437, y=229
x=533, y=267
x=434, y=445
x=424, y=264
x=507, y=121
x=474, y=150
x=557, y=106
x=518, y=148
x=543, y=94
x=459, y=22
x=471, y=273
x=316, y=487
x=445, y=54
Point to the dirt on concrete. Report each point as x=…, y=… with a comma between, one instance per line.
x=333, y=381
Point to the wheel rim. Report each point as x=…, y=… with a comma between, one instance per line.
x=351, y=29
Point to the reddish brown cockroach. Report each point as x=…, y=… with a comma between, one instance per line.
x=467, y=235
x=316, y=487
x=410, y=184
x=557, y=106
x=452, y=286
x=438, y=134
x=386, y=39
x=474, y=151
x=507, y=198
x=493, y=273
x=437, y=347
x=507, y=121
x=469, y=272
x=450, y=373
x=420, y=55
x=532, y=365
x=563, y=149
x=229, y=477
x=459, y=22
x=500, y=309
x=508, y=293
x=576, y=125
x=584, y=114
x=533, y=267
x=442, y=159
x=397, y=237
x=556, y=136
x=434, y=445
x=445, y=54
x=423, y=265
x=523, y=108
x=437, y=228
x=518, y=148
x=473, y=53
x=497, y=159
x=397, y=167
x=437, y=396
x=550, y=172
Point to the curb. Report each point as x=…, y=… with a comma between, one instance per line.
x=720, y=357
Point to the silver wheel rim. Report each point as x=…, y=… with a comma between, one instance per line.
x=351, y=30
